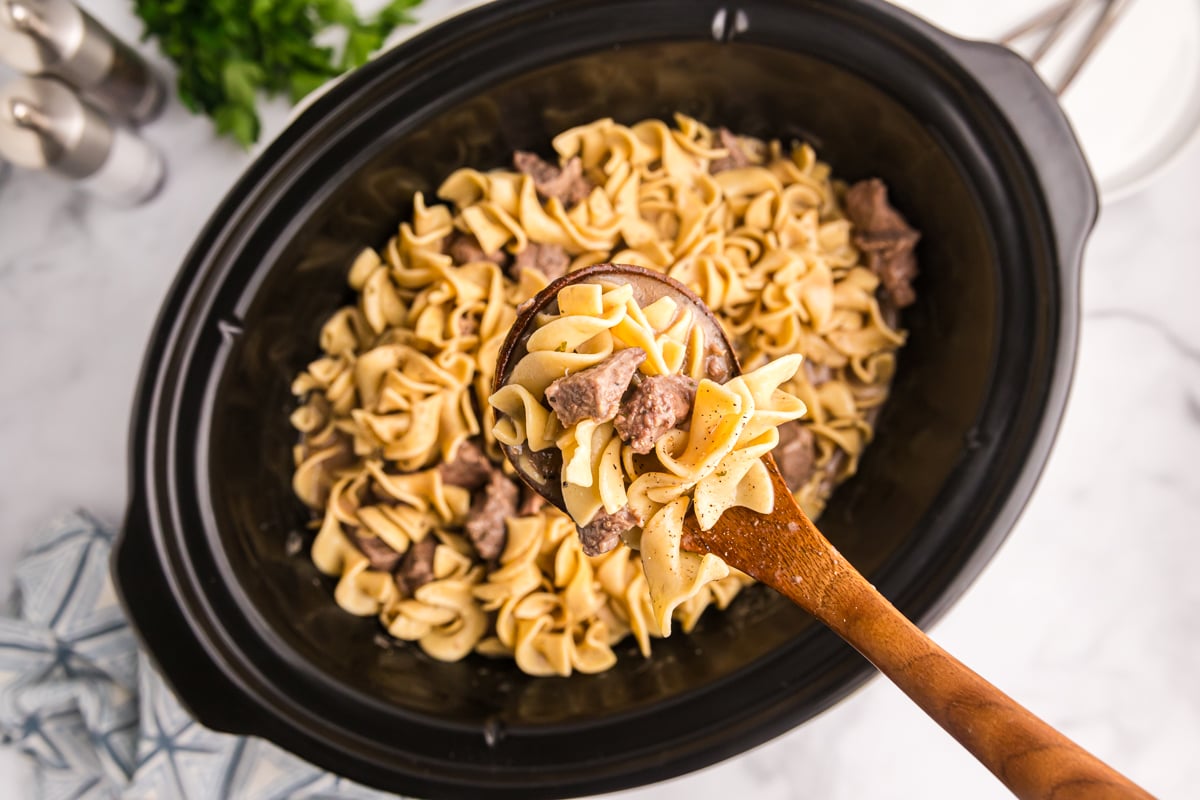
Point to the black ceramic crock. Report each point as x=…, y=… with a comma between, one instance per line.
x=976, y=153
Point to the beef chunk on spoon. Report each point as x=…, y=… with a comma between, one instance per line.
x=595, y=393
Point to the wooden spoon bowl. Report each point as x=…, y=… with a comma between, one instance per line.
x=786, y=551
x=541, y=470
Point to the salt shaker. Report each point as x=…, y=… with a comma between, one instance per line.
x=45, y=125
x=56, y=38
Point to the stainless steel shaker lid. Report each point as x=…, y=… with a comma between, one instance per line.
x=34, y=34
x=44, y=125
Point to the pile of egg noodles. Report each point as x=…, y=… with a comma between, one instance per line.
x=405, y=375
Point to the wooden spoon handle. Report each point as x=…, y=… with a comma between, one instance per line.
x=787, y=552
x=1031, y=758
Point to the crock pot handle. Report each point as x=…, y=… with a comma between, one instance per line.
x=162, y=631
x=1034, y=114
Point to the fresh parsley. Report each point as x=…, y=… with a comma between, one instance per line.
x=230, y=51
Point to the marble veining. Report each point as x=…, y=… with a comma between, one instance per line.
x=1088, y=614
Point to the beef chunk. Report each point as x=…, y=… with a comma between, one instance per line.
x=489, y=511
x=603, y=533
x=468, y=325
x=464, y=249
x=817, y=373
x=657, y=405
x=868, y=208
x=470, y=468
x=416, y=567
x=377, y=551
x=882, y=233
x=795, y=454
x=737, y=157
x=531, y=502
x=595, y=393
x=549, y=259
x=495, y=497
x=716, y=364
x=897, y=272
x=567, y=184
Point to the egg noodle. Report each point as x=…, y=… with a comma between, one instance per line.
x=400, y=394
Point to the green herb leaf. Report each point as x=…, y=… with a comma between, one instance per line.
x=359, y=46
x=232, y=52
x=240, y=122
x=397, y=13
x=305, y=82
x=340, y=12
x=241, y=81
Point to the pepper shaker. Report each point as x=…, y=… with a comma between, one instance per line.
x=45, y=125
x=57, y=38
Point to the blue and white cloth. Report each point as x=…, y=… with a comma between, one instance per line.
x=79, y=699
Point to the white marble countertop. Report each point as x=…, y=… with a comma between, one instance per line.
x=1089, y=614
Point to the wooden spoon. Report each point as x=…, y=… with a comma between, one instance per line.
x=786, y=551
